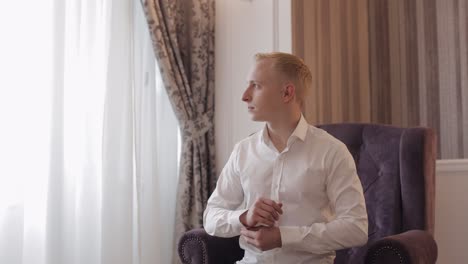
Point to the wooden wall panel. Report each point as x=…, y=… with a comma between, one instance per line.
x=463, y=22
x=401, y=62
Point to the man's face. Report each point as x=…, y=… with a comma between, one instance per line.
x=263, y=94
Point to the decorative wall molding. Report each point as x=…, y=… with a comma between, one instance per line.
x=275, y=25
x=267, y=27
x=452, y=166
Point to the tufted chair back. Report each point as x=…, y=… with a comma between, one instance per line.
x=396, y=168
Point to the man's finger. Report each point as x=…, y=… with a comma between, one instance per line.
x=271, y=210
x=265, y=214
x=266, y=222
x=255, y=228
x=263, y=221
x=271, y=203
x=277, y=207
x=248, y=233
x=268, y=213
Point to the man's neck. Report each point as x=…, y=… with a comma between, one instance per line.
x=280, y=130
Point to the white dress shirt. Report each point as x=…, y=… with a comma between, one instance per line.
x=314, y=177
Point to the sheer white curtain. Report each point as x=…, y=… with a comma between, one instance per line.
x=88, y=140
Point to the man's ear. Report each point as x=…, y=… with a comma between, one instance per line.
x=289, y=92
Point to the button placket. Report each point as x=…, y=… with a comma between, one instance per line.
x=280, y=176
x=274, y=180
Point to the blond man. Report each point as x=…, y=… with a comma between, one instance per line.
x=291, y=190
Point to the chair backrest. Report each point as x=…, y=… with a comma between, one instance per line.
x=397, y=171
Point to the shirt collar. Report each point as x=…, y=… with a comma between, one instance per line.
x=299, y=132
x=301, y=129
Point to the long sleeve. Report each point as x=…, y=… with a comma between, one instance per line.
x=346, y=199
x=221, y=216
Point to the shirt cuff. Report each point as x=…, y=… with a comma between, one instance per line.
x=234, y=220
x=290, y=235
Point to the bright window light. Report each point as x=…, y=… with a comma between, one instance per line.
x=25, y=101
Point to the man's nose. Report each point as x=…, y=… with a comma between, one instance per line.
x=246, y=95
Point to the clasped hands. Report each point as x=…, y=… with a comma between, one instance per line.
x=259, y=221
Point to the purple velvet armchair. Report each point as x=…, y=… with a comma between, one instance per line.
x=397, y=171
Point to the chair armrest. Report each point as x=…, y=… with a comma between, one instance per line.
x=411, y=247
x=197, y=247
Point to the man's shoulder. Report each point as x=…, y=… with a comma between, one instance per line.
x=323, y=138
x=252, y=138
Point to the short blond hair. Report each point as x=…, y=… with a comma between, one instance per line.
x=293, y=68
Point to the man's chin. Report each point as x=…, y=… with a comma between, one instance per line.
x=256, y=118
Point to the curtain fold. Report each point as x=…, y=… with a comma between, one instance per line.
x=183, y=41
x=118, y=141
x=89, y=136
x=382, y=61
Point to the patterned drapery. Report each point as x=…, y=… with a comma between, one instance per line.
x=182, y=32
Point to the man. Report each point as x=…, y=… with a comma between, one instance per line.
x=290, y=191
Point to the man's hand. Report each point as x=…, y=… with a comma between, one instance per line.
x=263, y=212
x=263, y=238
